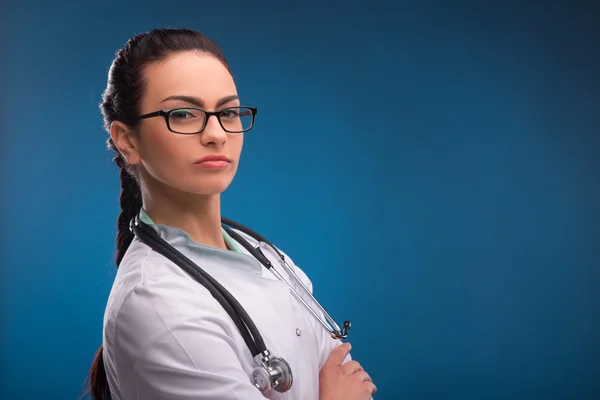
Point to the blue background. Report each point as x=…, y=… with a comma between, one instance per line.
x=433, y=166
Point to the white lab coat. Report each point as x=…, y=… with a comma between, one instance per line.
x=166, y=337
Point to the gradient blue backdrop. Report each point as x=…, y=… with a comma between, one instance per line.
x=434, y=168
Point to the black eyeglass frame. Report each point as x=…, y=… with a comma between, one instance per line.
x=167, y=113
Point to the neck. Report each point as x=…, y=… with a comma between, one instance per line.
x=199, y=216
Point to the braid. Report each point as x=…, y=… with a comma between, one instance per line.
x=131, y=203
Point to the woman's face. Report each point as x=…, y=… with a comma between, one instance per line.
x=170, y=159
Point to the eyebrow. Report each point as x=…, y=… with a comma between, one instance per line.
x=198, y=101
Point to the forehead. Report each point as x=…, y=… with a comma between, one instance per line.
x=191, y=74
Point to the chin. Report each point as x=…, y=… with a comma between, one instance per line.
x=210, y=186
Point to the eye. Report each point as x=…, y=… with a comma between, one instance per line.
x=181, y=114
x=230, y=113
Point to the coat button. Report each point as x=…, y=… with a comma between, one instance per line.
x=298, y=333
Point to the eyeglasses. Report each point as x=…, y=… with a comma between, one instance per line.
x=189, y=121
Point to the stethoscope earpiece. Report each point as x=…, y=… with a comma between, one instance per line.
x=133, y=224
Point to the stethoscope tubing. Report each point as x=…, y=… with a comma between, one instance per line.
x=240, y=317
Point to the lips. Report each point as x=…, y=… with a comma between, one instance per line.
x=214, y=157
x=214, y=161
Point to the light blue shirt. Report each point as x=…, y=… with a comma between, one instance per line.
x=228, y=240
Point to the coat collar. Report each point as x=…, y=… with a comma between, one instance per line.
x=180, y=240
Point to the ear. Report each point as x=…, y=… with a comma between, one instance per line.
x=126, y=141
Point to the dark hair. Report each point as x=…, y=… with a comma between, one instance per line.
x=120, y=102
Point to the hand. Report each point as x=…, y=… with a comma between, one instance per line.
x=344, y=382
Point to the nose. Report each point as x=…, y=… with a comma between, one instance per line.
x=213, y=133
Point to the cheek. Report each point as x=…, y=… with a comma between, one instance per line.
x=165, y=153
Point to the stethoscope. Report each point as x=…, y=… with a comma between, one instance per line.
x=270, y=372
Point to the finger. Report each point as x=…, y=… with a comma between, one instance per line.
x=351, y=367
x=370, y=388
x=363, y=376
x=338, y=355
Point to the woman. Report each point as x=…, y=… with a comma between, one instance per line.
x=165, y=336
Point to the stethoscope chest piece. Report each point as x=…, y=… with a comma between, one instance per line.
x=272, y=373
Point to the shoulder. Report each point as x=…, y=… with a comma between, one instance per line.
x=167, y=337
x=151, y=292
x=139, y=270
